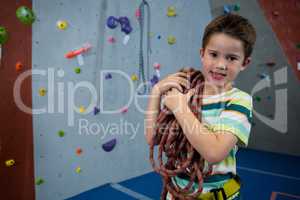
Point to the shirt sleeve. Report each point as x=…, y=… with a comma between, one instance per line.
x=236, y=118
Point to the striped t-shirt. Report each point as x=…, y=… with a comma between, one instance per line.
x=229, y=111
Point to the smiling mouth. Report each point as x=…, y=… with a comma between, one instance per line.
x=217, y=75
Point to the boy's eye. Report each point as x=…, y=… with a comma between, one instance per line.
x=212, y=54
x=231, y=58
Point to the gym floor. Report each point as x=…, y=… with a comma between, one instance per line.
x=265, y=176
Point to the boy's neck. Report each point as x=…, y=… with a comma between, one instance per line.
x=210, y=90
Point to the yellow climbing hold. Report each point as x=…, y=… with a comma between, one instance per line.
x=134, y=77
x=42, y=91
x=10, y=163
x=171, y=39
x=151, y=34
x=78, y=170
x=62, y=24
x=171, y=11
x=81, y=109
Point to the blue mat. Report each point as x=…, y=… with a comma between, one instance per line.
x=261, y=172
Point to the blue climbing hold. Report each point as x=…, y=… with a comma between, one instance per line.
x=108, y=76
x=125, y=25
x=112, y=22
x=154, y=80
x=108, y=146
x=96, y=110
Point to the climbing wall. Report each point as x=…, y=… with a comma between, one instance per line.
x=285, y=14
x=271, y=77
x=89, y=113
x=16, y=138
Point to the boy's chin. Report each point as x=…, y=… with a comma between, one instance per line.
x=216, y=84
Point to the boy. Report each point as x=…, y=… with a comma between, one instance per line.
x=226, y=111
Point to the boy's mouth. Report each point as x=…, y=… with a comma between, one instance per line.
x=217, y=75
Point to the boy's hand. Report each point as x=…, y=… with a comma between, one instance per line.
x=177, y=101
x=177, y=80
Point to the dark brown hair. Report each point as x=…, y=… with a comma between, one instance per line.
x=235, y=26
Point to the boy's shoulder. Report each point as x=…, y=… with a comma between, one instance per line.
x=240, y=97
x=238, y=93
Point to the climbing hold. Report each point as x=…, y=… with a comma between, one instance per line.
x=111, y=39
x=262, y=75
x=42, y=91
x=125, y=25
x=3, y=35
x=297, y=45
x=257, y=98
x=154, y=80
x=96, y=110
x=112, y=22
x=126, y=39
x=275, y=13
x=78, y=151
x=25, y=15
x=39, y=181
x=74, y=53
x=158, y=37
x=124, y=110
x=108, y=76
x=227, y=9
x=10, y=163
x=108, y=146
x=156, y=66
x=62, y=24
x=19, y=66
x=151, y=34
x=77, y=70
x=171, y=12
x=78, y=170
x=271, y=63
x=236, y=7
x=61, y=133
x=269, y=97
x=138, y=13
x=171, y=40
x=134, y=77
x=81, y=109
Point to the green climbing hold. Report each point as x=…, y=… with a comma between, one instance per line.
x=25, y=15
x=236, y=7
x=61, y=133
x=257, y=99
x=3, y=35
x=39, y=181
x=77, y=70
x=298, y=46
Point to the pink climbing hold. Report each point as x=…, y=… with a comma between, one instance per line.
x=156, y=66
x=111, y=39
x=108, y=146
x=124, y=110
x=138, y=13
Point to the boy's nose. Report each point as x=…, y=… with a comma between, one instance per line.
x=222, y=67
x=221, y=64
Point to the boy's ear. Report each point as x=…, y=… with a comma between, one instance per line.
x=246, y=63
x=201, y=51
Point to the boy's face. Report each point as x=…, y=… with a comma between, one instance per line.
x=223, y=58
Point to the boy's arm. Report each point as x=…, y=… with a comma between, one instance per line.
x=151, y=113
x=212, y=146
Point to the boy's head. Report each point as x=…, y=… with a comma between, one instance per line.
x=227, y=45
